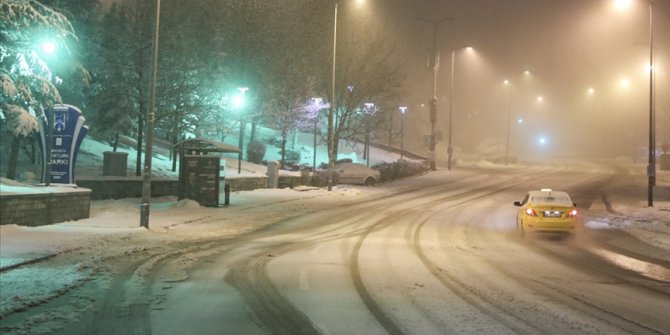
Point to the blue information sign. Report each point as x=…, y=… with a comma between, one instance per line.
x=66, y=136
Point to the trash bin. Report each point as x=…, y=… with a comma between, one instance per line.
x=115, y=164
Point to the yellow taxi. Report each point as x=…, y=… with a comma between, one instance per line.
x=546, y=211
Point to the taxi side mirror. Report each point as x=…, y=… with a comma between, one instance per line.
x=517, y=203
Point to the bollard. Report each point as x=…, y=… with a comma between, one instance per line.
x=273, y=174
x=226, y=196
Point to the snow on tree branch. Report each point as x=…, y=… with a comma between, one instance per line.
x=22, y=15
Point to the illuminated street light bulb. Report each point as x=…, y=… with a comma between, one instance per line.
x=506, y=82
x=625, y=83
x=590, y=91
x=49, y=47
x=238, y=101
x=540, y=99
x=526, y=72
x=623, y=4
x=519, y=121
x=370, y=108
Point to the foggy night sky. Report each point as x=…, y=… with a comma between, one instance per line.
x=568, y=45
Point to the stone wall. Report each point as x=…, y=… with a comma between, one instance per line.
x=36, y=209
x=246, y=184
x=131, y=187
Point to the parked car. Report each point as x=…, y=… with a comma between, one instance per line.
x=353, y=173
x=546, y=211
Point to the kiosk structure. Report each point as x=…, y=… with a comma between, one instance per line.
x=200, y=170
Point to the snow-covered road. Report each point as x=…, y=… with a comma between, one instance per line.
x=437, y=254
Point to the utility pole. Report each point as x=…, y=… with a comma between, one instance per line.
x=331, y=111
x=146, y=179
x=435, y=58
x=651, y=168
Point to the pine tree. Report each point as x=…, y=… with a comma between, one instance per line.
x=28, y=82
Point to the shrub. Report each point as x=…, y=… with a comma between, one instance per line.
x=274, y=141
x=291, y=157
x=400, y=169
x=256, y=152
x=320, y=178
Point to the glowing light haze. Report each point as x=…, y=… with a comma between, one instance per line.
x=578, y=72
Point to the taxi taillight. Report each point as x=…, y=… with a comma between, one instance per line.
x=572, y=213
x=530, y=212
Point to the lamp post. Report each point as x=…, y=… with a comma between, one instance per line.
x=433, y=101
x=509, y=117
x=317, y=105
x=49, y=49
x=369, y=111
x=239, y=103
x=331, y=110
x=651, y=169
x=450, y=149
x=509, y=114
x=146, y=177
x=403, y=109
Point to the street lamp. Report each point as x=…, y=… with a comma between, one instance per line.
x=146, y=177
x=331, y=111
x=369, y=110
x=471, y=116
x=239, y=102
x=509, y=113
x=48, y=47
x=509, y=117
x=317, y=104
x=403, y=109
x=651, y=167
x=450, y=149
x=433, y=101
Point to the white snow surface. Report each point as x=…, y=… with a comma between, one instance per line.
x=119, y=219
